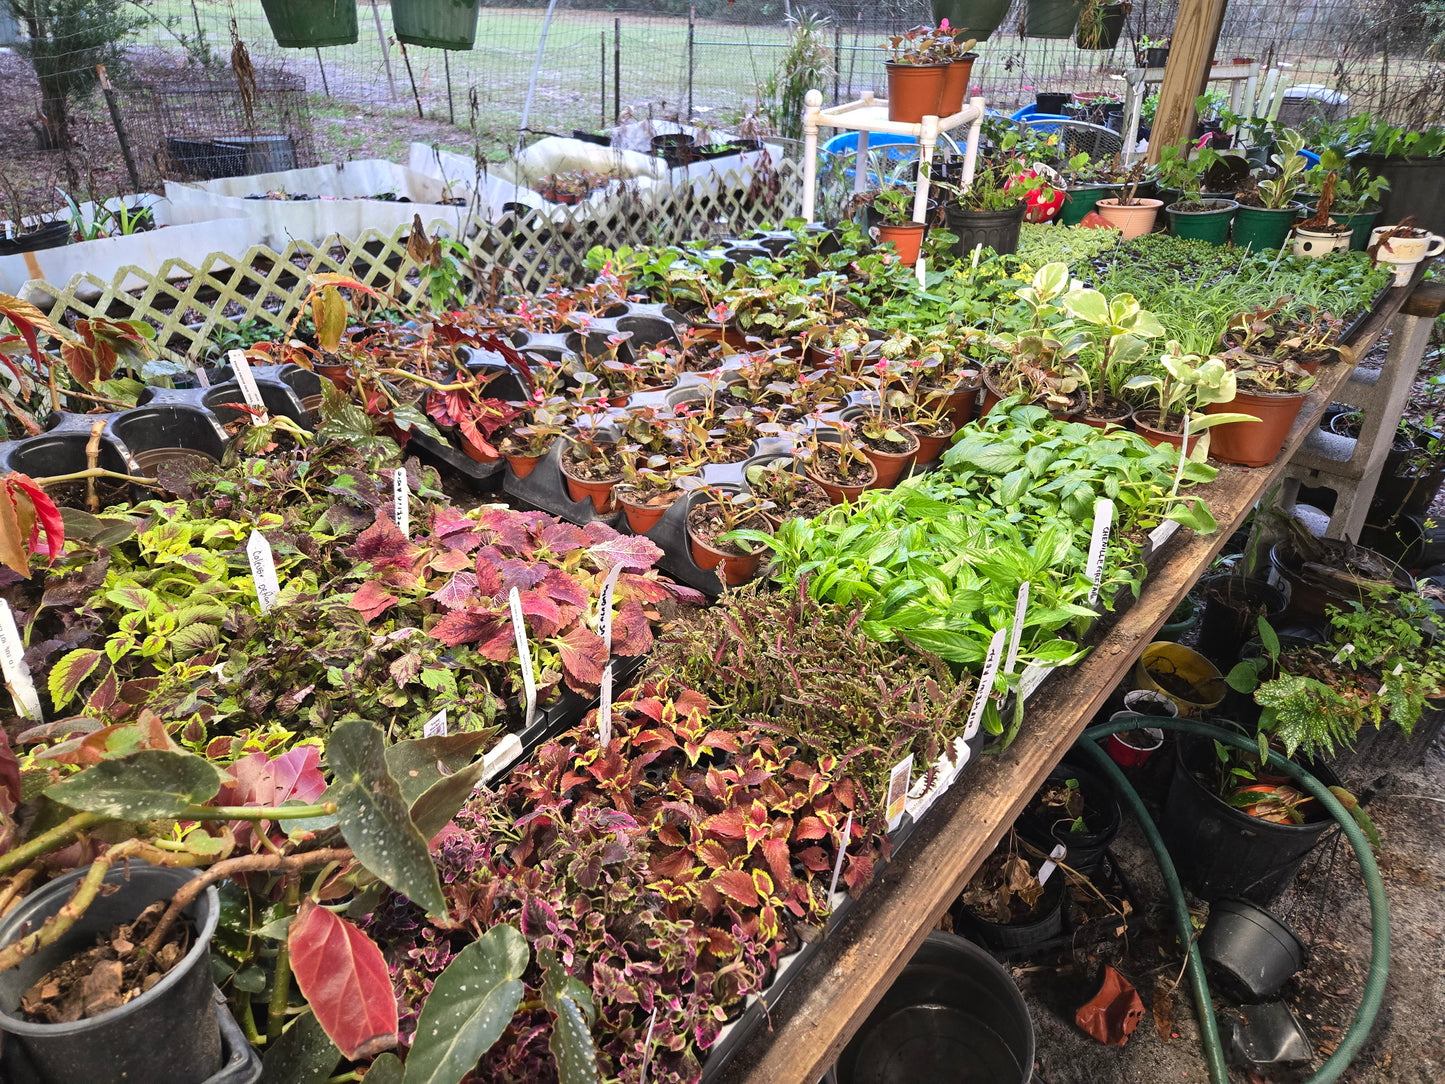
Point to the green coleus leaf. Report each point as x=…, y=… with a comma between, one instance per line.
x=470, y=1005
x=374, y=818
x=68, y=674
x=141, y=786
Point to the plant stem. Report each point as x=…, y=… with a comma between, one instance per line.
x=92, y=454
x=11, y=895
x=432, y=384
x=59, y=835
x=281, y=984
x=256, y=813
x=247, y=1019
x=82, y=475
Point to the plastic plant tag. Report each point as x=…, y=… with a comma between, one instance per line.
x=17, y=673
x=263, y=570
x=506, y=751
x=247, y=380
x=1343, y=653
x=647, y=1047
x=401, y=501
x=898, y=780
x=436, y=726
x=1047, y=869
x=524, y=654
x=604, y=627
x=842, y=852
x=201, y=378
x=1099, y=546
x=1021, y=608
x=1162, y=533
x=985, y=684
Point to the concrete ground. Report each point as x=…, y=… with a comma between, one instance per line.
x=1327, y=906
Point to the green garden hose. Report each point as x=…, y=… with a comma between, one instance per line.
x=1374, y=992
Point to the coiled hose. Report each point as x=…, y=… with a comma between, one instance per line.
x=1374, y=992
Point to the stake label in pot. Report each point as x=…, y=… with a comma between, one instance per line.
x=263, y=570
x=985, y=684
x=524, y=654
x=842, y=851
x=898, y=780
x=1162, y=533
x=436, y=726
x=1047, y=869
x=1021, y=608
x=17, y=673
x=1099, y=545
x=247, y=380
x=604, y=626
x=401, y=501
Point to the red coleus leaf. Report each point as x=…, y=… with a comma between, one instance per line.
x=633, y=587
x=383, y=545
x=457, y=591
x=562, y=537
x=450, y=560
x=671, y=865
x=469, y=626
x=455, y=530
x=489, y=579
x=631, y=632
x=343, y=975
x=583, y=657
x=690, y=595
x=262, y=781
x=857, y=873
x=523, y=575
x=729, y=824
x=634, y=553
x=780, y=861
x=810, y=828
x=544, y=614
x=372, y=600
x=9, y=777
x=737, y=885
x=46, y=515
x=713, y=854
x=721, y=944
x=560, y=587
x=814, y=859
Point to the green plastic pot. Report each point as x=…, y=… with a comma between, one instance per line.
x=311, y=24
x=1264, y=229
x=1360, y=226
x=1050, y=18
x=1080, y=200
x=436, y=24
x=1210, y=225
x=979, y=17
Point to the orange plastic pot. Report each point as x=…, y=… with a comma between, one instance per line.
x=1146, y=425
x=1254, y=444
x=600, y=493
x=915, y=91
x=907, y=239
x=733, y=569
x=955, y=84
x=931, y=447
x=891, y=466
x=1131, y=221
x=838, y=494
x=522, y=465
x=642, y=517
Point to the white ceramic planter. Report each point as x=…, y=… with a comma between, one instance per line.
x=1405, y=253
x=1320, y=242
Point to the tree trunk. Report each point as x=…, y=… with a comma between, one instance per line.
x=52, y=127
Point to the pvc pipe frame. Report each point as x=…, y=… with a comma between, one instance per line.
x=1374, y=991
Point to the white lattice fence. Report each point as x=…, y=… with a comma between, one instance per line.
x=521, y=252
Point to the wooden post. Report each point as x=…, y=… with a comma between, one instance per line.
x=114, y=107
x=1191, y=49
x=385, y=50
x=602, y=114
x=411, y=76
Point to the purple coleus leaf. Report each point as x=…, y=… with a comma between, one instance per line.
x=262, y=781
x=372, y=600
x=583, y=657
x=458, y=591
x=633, y=552
x=563, y=537
x=383, y=545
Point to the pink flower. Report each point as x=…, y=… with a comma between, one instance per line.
x=944, y=26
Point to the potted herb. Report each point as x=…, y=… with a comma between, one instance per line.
x=1319, y=233
x=1272, y=393
x=1185, y=385
x=1193, y=215
x=1412, y=161
x=1101, y=25
x=525, y=445
x=1077, y=808
x=887, y=442
x=1151, y=52
x=847, y=346
x=1267, y=212
x=1037, y=362
x=917, y=65
x=894, y=207
x=648, y=488
x=1089, y=182
x=714, y=514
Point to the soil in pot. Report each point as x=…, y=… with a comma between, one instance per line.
x=890, y=458
x=1074, y=807
x=1335, y=573
x=1103, y=411
x=840, y=481
x=1232, y=609
x=1182, y=674
x=809, y=500
x=643, y=512
x=590, y=478
x=932, y=440
x=1005, y=908
x=733, y=564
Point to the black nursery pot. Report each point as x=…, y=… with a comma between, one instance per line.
x=1102, y=819
x=998, y=230
x=1249, y=951
x=1223, y=852
x=1018, y=939
x=159, y=433
x=952, y=1015
x=1052, y=102
x=51, y=234
x=1231, y=610
x=276, y=398
x=168, y=1035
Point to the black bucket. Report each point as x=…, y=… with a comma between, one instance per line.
x=1417, y=187
x=953, y=1014
x=1018, y=939
x=168, y=1035
x=1221, y=851
x=1250, y=952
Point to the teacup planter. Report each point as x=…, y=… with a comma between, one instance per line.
x=1404, y=249
x=1321, y=242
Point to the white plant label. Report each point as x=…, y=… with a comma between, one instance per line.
x=898, y=780
x=604, y=628
x=247, y=379
x=401, y=501
x=524, y=654
x=647, y=1047
x=436, y=726
x=263, y=570
x=845, y=839
x=985, y=684
x=12, y=662
x=1047, y=869
x=1162, y=533
x=201, y=378
x=1343, y=653
x=1021, y=608
x=1099, y=545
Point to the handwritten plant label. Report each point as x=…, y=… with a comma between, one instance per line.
x=12, y=662
x=247, y=380
x=263, y=570
x=1021, y=608
x=1047, y=869
x=898, y=780
x=985, y=684
x=436, y=726
x=401, y=501
x=1099, y=545
x=604, y=629
x=845, y=839
x=524, y=654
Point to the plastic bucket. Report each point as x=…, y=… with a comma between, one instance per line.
x=1210, y=225
x=1175, y=663
x=1249, y=951
x=1264, y=229
x=306, y=24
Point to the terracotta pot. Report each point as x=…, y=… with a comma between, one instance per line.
x=955, y=84
x=959, y=403
x=1133, y=220
x=642, y=517
x=993, y=392
x=600, y=493
x=475, y=454
x=914, y=91
x=1119, y=419
x=907, y=239
x=891, y=465
x=522, y=465
x=720, y=333
x=1145, y=424
x=931, y=447
x=838, y=493
x=340, y=375
x=732, y=569
x=1254, y=444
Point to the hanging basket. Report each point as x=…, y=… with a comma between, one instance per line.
x=309, y=24
x=979, y=18
x=1102, y=27
x=436, y=24
x=1050, y=18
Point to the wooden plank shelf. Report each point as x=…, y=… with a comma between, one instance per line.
x=839, y=987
